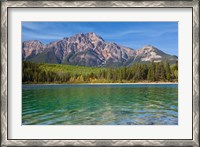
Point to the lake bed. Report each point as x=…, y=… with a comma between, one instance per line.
x=100, y=104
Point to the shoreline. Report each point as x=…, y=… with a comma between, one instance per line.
x=139, y=83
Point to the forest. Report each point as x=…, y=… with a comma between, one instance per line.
x=33, y=73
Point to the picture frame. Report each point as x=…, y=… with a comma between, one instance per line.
x=6, y=5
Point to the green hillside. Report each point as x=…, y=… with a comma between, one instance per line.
x=73, y=70
x=59, y=73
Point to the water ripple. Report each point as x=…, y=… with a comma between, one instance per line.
x=100, y=104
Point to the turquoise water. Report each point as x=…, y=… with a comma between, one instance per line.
x=85, y=104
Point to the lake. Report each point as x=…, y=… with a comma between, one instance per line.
x=100, y=104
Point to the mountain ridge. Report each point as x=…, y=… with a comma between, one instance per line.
x=90, y=49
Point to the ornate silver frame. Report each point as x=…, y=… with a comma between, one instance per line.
x=4, y=73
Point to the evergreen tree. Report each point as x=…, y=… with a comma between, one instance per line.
x=32, y=72
x=151, y=72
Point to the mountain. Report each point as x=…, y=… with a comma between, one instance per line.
x=90, y=50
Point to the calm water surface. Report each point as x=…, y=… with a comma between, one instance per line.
x=131, y=104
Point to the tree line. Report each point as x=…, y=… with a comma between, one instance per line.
x=138, y=72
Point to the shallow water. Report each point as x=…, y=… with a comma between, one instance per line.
x=88, y=104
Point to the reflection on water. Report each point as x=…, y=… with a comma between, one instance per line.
x=130, y=104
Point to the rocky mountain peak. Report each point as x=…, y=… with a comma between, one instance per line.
x=79, y=35
x=93, y=37
x=34, y=43
x=31, y=48
x=149, y=53
x=91, y=34
x=89, y=49
x=149, y=48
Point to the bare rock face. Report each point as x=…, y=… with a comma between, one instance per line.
x=150, y=53
x=32, y=48
x=89, y=50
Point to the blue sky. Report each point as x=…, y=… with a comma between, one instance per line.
x=163, y=35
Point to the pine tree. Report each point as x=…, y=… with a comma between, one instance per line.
x=168, y=71
x=151, y=72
